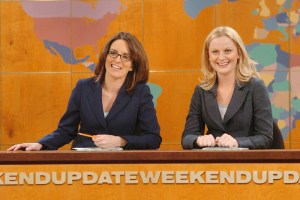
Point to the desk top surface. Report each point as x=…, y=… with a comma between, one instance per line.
x=149, y=156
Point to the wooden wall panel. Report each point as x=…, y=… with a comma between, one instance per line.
x=21, y=49
x=173, y=39
x=32, y=105
x=173, y=103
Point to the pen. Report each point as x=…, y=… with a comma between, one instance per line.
x=86, y=135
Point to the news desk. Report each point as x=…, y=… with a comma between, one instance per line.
x=157, y=174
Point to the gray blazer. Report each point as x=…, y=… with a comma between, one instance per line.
x=248, y=117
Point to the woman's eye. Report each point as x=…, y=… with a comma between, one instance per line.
x=126, y=57
x=113, y=53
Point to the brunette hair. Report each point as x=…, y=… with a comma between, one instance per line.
x=140, y=65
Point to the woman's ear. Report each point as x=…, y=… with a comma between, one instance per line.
x=131, y=68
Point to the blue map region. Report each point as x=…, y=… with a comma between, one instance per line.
x=270, y=23
x=66, y=53
x=155, y=91
x=194, y=7
x=92, y=67
x=280, y=85
x=282, y=18
x=297, y=29
x=287, y=4
x=278, y=22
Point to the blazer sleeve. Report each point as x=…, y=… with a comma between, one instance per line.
x=147, y=124
x=262, y=135
x=68, y=124
x=194, y=125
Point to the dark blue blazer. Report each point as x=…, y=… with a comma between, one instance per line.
x=248, y=117
x=132, y=117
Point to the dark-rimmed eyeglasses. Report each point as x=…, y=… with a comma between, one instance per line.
x=115, y=54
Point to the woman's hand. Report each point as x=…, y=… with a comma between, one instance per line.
x=26, y=147
x=109, y=141
x=206, y=141
x=226, y=141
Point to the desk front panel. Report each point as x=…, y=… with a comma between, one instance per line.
x=151, y=181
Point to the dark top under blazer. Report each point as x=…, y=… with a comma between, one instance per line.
x=132, y=116
x=248, y=117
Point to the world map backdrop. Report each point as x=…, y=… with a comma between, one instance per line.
x=46, y=46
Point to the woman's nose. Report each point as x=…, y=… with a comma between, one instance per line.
x=221, y=56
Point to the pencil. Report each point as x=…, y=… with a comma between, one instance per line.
x=86, y=135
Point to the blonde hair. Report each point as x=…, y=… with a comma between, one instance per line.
x=245, y=65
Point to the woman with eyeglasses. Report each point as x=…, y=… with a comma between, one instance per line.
x=232, y=102
x=113, y=109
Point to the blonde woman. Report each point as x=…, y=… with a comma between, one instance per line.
x=232, y=101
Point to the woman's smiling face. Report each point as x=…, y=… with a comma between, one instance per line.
x=117, y=67
x=223, y=55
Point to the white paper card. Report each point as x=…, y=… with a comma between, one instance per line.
x=97, y=149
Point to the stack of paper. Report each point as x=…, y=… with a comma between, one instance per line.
x=223, y=148
x=97, y=149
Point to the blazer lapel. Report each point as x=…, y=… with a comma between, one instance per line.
x=212, y=106
x=95, y=102
x=238, y=97
x=122, y=100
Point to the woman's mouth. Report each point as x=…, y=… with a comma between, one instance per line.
x=223, y=64
x=116, y=67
